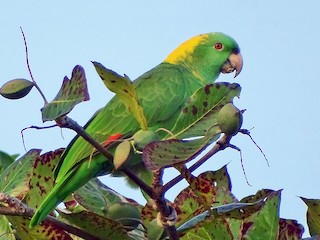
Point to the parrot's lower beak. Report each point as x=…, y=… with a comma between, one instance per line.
x=233, y=63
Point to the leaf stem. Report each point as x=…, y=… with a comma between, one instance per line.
x=29, y=69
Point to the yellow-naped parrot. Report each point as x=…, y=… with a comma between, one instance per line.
x=161, y=92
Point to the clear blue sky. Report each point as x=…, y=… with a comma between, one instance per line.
x=280, y=80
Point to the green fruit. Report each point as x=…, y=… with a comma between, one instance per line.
x=121, y=154
x=230, y=119
x=142, y=138
x=16, y=88
x=125, y=213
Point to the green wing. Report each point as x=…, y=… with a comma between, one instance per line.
x=161, y=92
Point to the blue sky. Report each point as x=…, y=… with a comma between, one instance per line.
x=280, y=79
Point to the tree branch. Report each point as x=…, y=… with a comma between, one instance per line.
x=67, y=122
x=17, y=208
x=164, y=209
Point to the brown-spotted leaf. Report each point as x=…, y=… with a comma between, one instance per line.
x=160, y=154
x=313, y=215
x=42, y=180
x=44, y=231
x=72, y=92
x=265, y=223
x=231, y=210
x=200, y=112
x=124, y=89
x=15, y=178
x=290, y=229
x=210, y=229
x=208, y=189
x=97, y=225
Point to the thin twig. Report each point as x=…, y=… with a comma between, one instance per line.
x=29, y=69
x=33, y=127
x=67, y=122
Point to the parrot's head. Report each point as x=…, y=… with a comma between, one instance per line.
x=208, y=55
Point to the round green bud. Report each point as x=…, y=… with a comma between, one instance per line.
x=230, y=119
x=142, y=138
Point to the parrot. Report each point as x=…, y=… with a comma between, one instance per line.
x=161, y=92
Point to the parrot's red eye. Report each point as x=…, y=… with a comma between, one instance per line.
x=218, y=46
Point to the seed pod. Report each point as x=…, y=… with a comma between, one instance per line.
x=16, y=88
x=125, y=213
x=230, y=119
x=121, y=154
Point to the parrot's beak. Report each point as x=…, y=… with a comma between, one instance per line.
x=233, y=63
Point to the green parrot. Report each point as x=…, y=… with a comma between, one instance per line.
x=161, y=93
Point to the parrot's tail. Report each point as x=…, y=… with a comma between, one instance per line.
x=56, y=196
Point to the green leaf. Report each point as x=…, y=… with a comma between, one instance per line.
x=155, y=232
x=5, y=229
x=5, y=160
x=265, y=223
x=125, y=90
x=230, y=210
x=16, y=88
x=72, y=92
x=96, y=197
x=42, y=180
x=15, y=178
x=97, y=225
x=200, y=112
x=313, y=215
x=214, y=229
x=160, y=154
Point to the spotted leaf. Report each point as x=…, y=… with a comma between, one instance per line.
x=15, y=178
x=125, y=90
x=42, y=180
x=72, y=92
x=313, y=215
x=200, y=112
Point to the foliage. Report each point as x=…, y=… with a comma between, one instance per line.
x=206, y=209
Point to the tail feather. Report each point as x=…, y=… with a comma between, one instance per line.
x=56, y=196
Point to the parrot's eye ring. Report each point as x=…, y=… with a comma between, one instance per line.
x=218, y=46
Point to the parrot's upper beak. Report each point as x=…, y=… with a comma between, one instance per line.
x=233, y=63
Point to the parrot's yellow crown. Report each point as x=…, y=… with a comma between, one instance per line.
x=185, y=49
